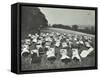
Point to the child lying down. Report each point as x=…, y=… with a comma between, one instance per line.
x=25, y=50
x=86, y=52
x=51, y=55
x=62, y=42
x=64, y=57
x=75, y=55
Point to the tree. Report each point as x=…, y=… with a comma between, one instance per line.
x=61, y=26
x=32, y=20
x=92, y=29
x=87, y=30
x=75, y=27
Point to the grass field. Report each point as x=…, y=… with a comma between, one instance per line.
x=66, y=31
x=86, y=62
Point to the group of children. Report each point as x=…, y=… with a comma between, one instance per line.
x=53, y=44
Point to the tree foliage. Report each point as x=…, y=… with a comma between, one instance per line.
x=32, y=20
x=75, y=27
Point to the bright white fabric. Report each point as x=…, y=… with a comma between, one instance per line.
x=35, y=51
x=34, y=40
x=75, y=54
x=38, y=46
x=24, y=50
x=50, y=52
x=57, y=44
x=64, y=56
x=85, y=53
x=63, y=53
x=64, y=44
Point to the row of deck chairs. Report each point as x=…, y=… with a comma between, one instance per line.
x=50, y=44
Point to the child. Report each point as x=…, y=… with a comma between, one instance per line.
x=86, y=52
x=47, y=46
x=27, y=41
x=57, y=44
x=40, y=49
x=75, y=52
x=25, y=50
x=75, y=55
x=64, y=57
x=51, y=55
x=25, y=54
x=64, y=45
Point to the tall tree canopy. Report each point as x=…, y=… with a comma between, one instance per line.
x=75, y=27
x=32, y=20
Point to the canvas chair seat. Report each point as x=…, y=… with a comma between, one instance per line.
x=34, y=40
x=25, y=50
x=35, y=51
x=50, y=52
x=38, y=46
x=63, y=51
x=75, y=54
x=81, y=42
x=65, y=56
x=85, y=53
x=64, y=44
x=57, y=44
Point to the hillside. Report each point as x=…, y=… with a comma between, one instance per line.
x=66, y=31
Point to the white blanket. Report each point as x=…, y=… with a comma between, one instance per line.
x=85, y=53
x=50, y=52
x=75, y=54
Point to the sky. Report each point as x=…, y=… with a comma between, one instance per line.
x=69, y=16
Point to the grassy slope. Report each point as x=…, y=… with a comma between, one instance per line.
x=89, y=61
x=66, y=31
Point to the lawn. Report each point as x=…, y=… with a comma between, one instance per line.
x=45, y=64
